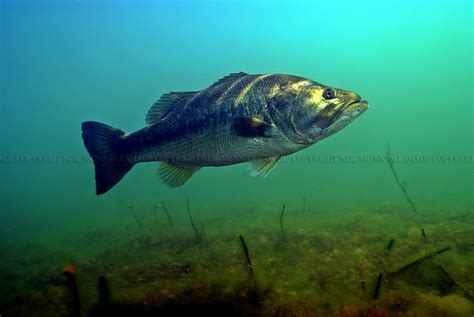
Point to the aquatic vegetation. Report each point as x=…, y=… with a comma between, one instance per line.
x=197, y=232
x=378, y=285
x=72, y=284
x=419, y=261
x=390, y=245
x=252, y=291
x=321, y=270
x=162, y=206
x=104, y=294
x=423, y=234
x=281, y=221
x=467, y=292
x=403, y=186
x=140, y=223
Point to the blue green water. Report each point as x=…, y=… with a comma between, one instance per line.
x=65, y=62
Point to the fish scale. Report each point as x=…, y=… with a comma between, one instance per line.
x=209, y=140
x=240, y=118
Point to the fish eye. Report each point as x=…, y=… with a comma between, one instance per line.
x=329, y=93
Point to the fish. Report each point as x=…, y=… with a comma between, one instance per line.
x=239, y=118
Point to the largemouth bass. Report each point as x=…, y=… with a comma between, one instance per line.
x=240, y=118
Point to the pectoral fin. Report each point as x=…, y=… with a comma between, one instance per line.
x=264, y=166
x=251, y=127
x=175, y=175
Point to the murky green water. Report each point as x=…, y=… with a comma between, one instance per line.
x=65, y=62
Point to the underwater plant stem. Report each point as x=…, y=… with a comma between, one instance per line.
x=246, y=252
x=196, y=231
x=132, y=210
x=162, y=206
x=138, y=220
x=378, y=285
x=72, y=284
x=419, y=261
x=403, y=186
x=203, y=228
x=254, y=288
x=423, y=234
x=104, y=292
x=467, y=293
x=281, y=221
x=390, y=245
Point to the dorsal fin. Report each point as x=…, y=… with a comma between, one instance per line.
x=160, y=107
x=230, y=77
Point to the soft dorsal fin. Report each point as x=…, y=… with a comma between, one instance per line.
x=160, y=107
x=263, y=166
x=230, y=77
x=175, y=175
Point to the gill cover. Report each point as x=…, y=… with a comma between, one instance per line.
x=292, y=116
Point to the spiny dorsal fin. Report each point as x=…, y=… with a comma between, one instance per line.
x=230, y=77
x=160, y=107
x=174, y=175
x=263, y=166
x=251, y=127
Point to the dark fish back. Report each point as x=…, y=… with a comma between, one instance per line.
x=237, y=95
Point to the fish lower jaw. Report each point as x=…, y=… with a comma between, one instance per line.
x=352, y=110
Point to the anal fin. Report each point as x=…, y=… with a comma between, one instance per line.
x=263, y=166
x=175, y=175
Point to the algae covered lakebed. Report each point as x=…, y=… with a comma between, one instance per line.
x=320, y=265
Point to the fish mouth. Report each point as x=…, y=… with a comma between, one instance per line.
x=353, y=108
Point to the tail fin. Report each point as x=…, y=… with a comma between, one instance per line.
x=103, y=143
